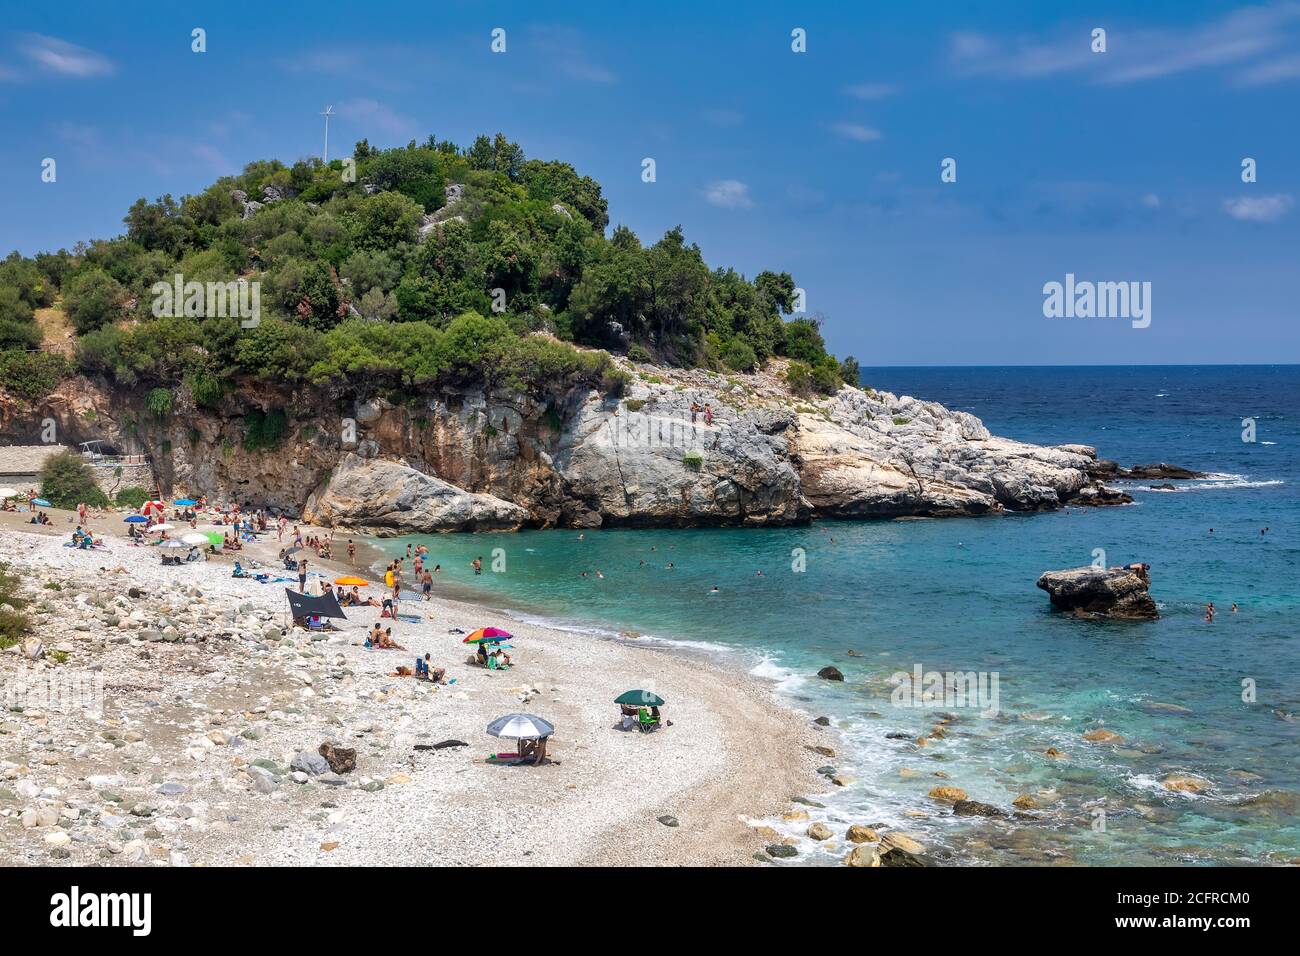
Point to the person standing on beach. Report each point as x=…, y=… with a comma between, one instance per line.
x=302, y=576
x=352, y=551
x=426, y=585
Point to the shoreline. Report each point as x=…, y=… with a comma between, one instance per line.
x=735, y=753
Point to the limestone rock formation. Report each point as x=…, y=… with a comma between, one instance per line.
x=1101, y=592
x=680, y=447
x=384, y=497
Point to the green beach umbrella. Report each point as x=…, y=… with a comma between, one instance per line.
x=216, y=537
x=643, y=697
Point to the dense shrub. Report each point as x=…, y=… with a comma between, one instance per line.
x=132, y=496
x=67, y=481
x=264, y=430
x=93, y=299
x=31, y=375
x=159, y=401
x=739, y=356
x=798, y=378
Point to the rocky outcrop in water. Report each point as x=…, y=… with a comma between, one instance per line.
x=1101, y=592
x=1110, y=470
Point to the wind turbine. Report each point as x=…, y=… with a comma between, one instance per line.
x=329, y=111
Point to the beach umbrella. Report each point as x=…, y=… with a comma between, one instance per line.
x=196, y=538
x=294, y=550
x=643, y=698
x=521, y=727
x=163, y=526
x=135, y=519
x=352, y=580
x=42, y=503
x=216, y=537
x=486, y=635
x=8, y=493
x=185, y=502
x=149, y=506
x=173, y=544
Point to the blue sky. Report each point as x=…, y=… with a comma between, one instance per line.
x=1114, y=166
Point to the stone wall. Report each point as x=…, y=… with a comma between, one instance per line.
x=110, y=482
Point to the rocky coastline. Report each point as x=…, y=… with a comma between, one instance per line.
x=678, y=448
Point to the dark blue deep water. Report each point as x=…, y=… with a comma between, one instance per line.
x=1217, y=701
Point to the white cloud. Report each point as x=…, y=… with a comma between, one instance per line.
x=870, y=91
x=213, y=158
x=729, y=194
x=724, y=118
x=373, y=116
x=857, y=132
x=1236, y=41
x=1151, y=201
x=565, y=49
x=1274, y=71
x=66, y=59
x=1259, y=208
x=333, y=62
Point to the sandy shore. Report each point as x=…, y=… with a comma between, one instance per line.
x=200, y=687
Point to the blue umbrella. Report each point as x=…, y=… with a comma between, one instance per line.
x=186, y=502
x=41, y=502
x=136, y=519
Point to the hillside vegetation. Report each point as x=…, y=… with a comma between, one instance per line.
x=403, y=268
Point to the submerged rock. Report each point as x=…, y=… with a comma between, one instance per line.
x=973, y=808
x=1101, y=592
x=830, y=673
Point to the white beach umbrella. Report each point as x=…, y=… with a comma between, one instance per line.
x=161, y=527
x=521, y=727
x=196, y=539
x=173, y=544
x=8, y=493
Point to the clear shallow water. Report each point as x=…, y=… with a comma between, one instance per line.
x=959, y=595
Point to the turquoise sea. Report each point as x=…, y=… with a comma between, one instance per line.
x=877, y=598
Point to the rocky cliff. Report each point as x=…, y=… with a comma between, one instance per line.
x=655, y=456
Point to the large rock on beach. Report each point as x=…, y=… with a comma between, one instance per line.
x=1101, y=592
x=385, y=497
x=340, y=759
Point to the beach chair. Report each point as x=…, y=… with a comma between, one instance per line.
x=646, y=723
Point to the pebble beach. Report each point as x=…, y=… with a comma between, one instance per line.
x=202, y=744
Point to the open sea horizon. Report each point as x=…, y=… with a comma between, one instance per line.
x=1217, y=701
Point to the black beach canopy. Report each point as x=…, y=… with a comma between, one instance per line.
x=306, y=605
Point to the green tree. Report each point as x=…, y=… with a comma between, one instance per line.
x=93, y=299
x=67, y=481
